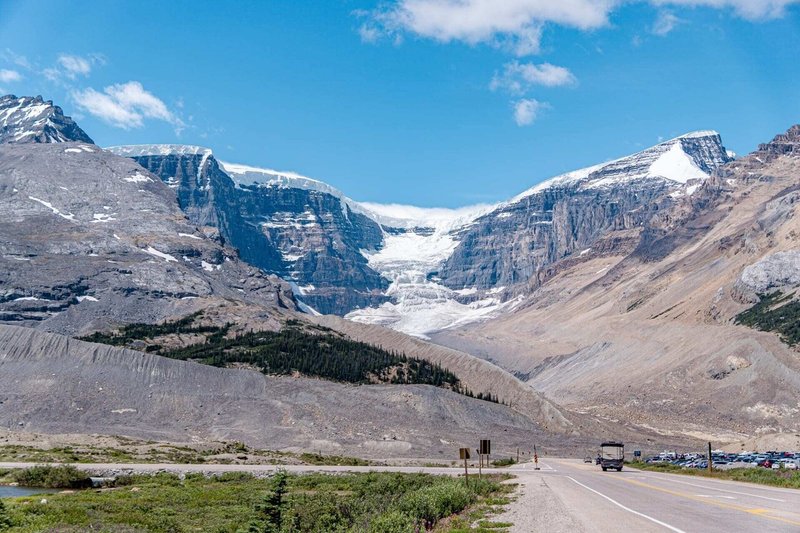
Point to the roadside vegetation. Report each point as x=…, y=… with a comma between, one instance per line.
x=127, y=450
x=504, y=461
x=775, y=312
x=763, y=476
x=238, y=502
x=294, y=350
x=51, y=477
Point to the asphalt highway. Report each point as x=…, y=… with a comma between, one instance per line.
x=632, y=500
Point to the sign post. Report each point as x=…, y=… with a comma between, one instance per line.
x=463, y=453
x=535, y=458
x=709, y=458
x=485, y=448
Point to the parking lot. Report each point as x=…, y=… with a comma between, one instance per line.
x=775, y=460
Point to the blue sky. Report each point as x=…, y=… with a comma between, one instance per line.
x=425, y=102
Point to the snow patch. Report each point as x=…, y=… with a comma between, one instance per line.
x=409, y=216
x=87, y=299
x=103, y=217
x=190, y=236
x=138, y=177
x=676, y=165
x=209, y=267
x=152, y=251
x=143, y=150
x=67, y=216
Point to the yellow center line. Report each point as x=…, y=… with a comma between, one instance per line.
x=753, y=511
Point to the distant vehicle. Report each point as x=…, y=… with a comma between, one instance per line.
x=612, y=455
x=587, y=459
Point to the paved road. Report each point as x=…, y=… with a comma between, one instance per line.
x=570, y=496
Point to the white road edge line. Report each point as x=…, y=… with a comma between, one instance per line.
x=714, y=488
x=637, y=513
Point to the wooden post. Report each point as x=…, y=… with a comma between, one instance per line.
x=709, y=458
x=517, y=455
x=480, y=466
x=466, y=473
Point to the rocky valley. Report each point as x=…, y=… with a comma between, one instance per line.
x=585, y=306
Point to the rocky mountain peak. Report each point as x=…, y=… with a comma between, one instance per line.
x=784, y=144
x=692, y=156
x=30, y=119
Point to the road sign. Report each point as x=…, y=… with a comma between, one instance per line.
x=463, y=453
x=486, y=447
x=637, y=453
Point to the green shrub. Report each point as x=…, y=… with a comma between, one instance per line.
x=5, y=519
x=393, y=522
x=53, y=477
x=437, y=501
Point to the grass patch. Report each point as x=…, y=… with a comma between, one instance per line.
x=505, y=461
x=386, y=502
x=335, y=460
x=486, y=524
x=762, y=476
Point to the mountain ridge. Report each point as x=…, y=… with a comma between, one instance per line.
x=32, y=119
x=411, y=251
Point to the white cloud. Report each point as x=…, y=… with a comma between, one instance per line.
x=125, y=105
x=665, y=23
x=527, y=110
x=21, y=61
x=517, y=78
x=52, y=74
x=9, y=76
x=516, y=24
x=749, y=9
x=70, y=67
x=369, y=33
x=74, y=65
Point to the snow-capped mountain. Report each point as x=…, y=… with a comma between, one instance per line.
x=569, y=214
x=302, y=229
x=421, y=270
x=33, y=120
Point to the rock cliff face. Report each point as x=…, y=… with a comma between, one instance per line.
x=33, y=120
x=567, y=215
x=784, y=144
x=90, y=240
x=300, y=229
